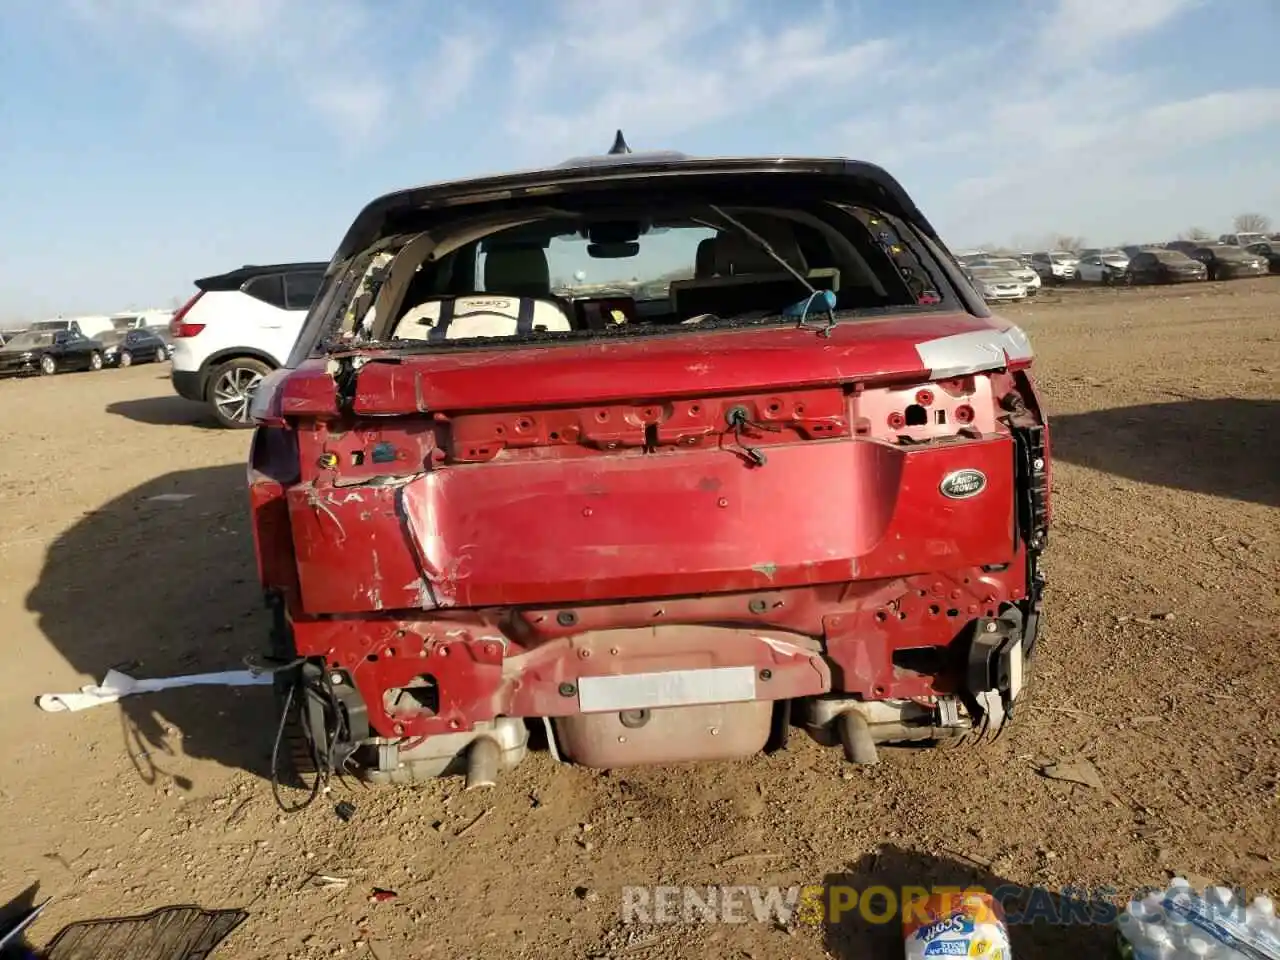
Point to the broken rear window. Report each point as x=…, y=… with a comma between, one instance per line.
x=655, y=264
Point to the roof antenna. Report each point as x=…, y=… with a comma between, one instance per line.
x=619, y=144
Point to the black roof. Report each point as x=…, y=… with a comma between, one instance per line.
x=621, y=167
x=237, y=278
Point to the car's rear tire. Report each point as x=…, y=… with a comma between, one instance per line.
x=231, y=389
x=48, y=366
x=126, y=359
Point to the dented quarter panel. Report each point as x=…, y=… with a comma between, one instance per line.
x=351, y=550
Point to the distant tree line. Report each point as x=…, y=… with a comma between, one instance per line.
x=1241, y=223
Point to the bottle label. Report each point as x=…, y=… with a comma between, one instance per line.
x=1217, y=925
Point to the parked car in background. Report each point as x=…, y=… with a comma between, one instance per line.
x=1185, y=246
x=157, y=321
x=49, y=352
x=124, y=348
x=49, y=326
x=1054, y=267
x=237, y=328
x=1164, y=266
x=994, y=285
x=89, y=326
x=1106, y=266
x=1227, y=262
x=1014, y=268
x=1268, y=250
x=1241, y=239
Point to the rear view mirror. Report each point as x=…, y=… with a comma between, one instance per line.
x=614, y=231
x=612, y=251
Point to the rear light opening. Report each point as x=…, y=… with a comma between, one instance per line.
x=178, y=327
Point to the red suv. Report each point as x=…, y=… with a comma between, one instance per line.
x=665, y=456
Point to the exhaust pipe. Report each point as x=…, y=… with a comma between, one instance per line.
x=483, y=759
x=855, y=737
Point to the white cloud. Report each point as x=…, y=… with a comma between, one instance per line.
x=443, y=81
x=1010, y=125
x=666, y=67
x=1059, y=136
x=326, y=53
x=1081, y=29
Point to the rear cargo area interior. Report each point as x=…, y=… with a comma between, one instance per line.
x=558, y=274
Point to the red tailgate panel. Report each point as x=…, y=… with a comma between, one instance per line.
x=636, y=525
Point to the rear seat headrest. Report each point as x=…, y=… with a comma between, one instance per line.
x=519, y=271
x=704, y=260
x=736, y=253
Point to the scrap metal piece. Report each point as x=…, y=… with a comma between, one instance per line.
x=170, y=933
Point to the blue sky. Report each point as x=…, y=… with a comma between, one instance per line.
x=149, y=142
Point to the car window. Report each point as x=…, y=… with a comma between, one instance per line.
x=300, y=289
x=646, y=275
x=268, y=289
x=588, y=270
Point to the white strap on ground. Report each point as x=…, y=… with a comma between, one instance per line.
x=116, y=685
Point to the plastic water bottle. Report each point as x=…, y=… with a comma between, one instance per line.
x=1180, y=924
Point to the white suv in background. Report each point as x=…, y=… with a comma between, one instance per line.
x=239, y=327
x=1055, y=267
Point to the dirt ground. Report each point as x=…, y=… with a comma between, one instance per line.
x=1159, y=664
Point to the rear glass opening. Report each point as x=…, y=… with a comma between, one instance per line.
x=585, y=269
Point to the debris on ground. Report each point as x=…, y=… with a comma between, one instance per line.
x=345, y=810
x=116, y=685
x=326, y=881
x=1080, y=771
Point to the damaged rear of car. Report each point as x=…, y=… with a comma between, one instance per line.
x=663, y=456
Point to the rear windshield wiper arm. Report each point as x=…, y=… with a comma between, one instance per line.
x=763, y=244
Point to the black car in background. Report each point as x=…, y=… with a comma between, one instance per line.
x=49, y=352
x=1228, y=262
x=155, y=321
x=1164, y=266
x=124, y=348
x=1269, y=250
